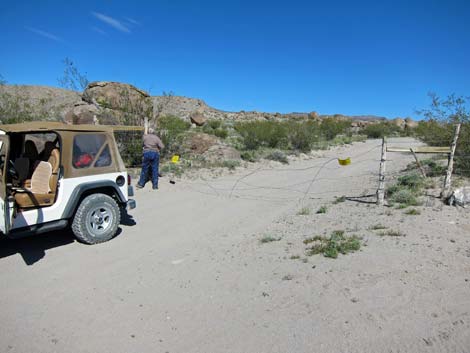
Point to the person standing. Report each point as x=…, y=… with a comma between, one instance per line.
x=152, y=145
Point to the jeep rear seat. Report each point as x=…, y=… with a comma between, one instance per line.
x=35, y=192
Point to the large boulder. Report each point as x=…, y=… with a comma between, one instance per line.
x=399, y=122
x=314, y=116
x=118, y=96
x=220, y=153
x=410, y=123
x=199, y=142
x=460, y=197
x=198, y=118
x=82, y=113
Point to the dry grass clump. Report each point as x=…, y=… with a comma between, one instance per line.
x=336, y=243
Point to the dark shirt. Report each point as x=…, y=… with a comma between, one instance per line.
x=152, y=143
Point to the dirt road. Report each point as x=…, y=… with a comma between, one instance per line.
x=192, y=276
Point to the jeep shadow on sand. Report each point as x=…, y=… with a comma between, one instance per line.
x=54, y=175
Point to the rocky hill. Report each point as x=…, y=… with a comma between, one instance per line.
x=119, y=103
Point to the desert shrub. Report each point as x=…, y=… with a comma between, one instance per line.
x=339, y=199
x=248, y=156
x=304, y=211
x=413, y=212
x=439, y=127
x=214, y=127
x=382, y=129
x=406, y=190
x=130, y=147
x=213, y=124
x=412, y=181
x=433, y=167
x=171, y=130
x=230, y=164
x=257, y=134
x=336, y=243
x=268, y=239
x=404, y=197
x=222, y=133
x=15, y=109
x=277, y=156
x=302, y=135
x=330, y=127
x=435, y=133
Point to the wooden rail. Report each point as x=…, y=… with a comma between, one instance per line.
x=423, y=149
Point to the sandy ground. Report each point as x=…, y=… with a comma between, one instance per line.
x=191, y=274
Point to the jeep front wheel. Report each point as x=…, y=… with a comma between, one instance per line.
x=97, y=219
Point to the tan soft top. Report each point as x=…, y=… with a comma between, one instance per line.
x=56, y=126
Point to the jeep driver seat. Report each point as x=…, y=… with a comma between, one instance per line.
x=42, y=188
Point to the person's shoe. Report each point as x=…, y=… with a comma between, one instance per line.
x=155, y=188
x=138, y=186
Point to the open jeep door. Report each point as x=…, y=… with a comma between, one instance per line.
x=6, y=214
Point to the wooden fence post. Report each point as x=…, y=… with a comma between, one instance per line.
x=418, y=163
x=146, y=125
x=381, y=189
x=450, y=166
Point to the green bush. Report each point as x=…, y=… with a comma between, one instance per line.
x=434, y=168
x=302, y=135
x=413, y=181
x=381, y=129
x=230, y=164
x=331, y=127
x=331, y=246
x=213, y=124
x=214, y=127
x=404, y=197
x=248, y=156
x=438, y=129
x=220, y=133
x=171, y=130
x=257, y=134
x=277, y=156
x=406, y=190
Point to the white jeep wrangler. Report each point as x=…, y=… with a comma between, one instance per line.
x=54, y=175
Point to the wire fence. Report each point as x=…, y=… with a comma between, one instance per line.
x=322, y=171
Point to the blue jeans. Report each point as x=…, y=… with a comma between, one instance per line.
x=150, y=162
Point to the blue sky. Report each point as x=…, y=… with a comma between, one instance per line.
x=349, y=57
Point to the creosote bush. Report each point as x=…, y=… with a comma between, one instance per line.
x=336, y=243
x=406, y=190
x=268, y=239
x=382, y=129
x=304, y=211
x=171, y=130
x=277, y=156
x=300, y=135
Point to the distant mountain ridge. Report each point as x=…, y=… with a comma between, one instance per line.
x=54, y=103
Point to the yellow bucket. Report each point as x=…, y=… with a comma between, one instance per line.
x=346, y=161
x=175, y=159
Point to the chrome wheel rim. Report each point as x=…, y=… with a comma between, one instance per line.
x=99, y=220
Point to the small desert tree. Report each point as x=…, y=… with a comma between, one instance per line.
x=438, y=128
x=72, y=78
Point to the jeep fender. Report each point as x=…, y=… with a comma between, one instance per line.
x=106, y=187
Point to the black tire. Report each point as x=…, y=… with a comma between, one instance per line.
x=97, y=219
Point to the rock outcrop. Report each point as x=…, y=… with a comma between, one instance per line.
x=199, y=142
x=111, y=103
x=198, y=118
x=38, y=102
x=221, y=152
x=117, y=96
x=120, y=103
